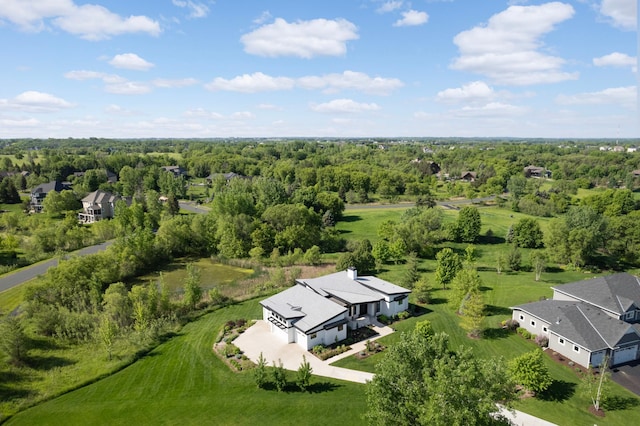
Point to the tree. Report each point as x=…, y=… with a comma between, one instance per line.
x=57, y=203
x=303, y=377
x=538, y=264
x=448, y=265
x=360, y=258
x=411, y=274
x=8, y=192
x=499, y=263
x=313, y=256
x=595, y=385
x=14, y=342
x=514, y=259
x=472, y=311
x=530, y=371
x=192, y=289
x=422, y=290
x=381, y=252
x=465, y=282
x=527, y=233
x=117, y=305
x=414, y=384
x=107, y=331
x=468, y=225
x=260, y=372
x=397, y=250
x=279, y=376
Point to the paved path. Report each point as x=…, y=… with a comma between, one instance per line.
x=258, y=339
x=28, y=273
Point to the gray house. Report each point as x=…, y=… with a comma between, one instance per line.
x=39, y=193
x=315, y=311
x=589, y=319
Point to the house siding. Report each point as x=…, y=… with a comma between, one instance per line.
x=525, y=319
x=582, y=357
x=390, y=308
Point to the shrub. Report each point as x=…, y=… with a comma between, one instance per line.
x=403, y=315
x=523, y=332
x=383, y=319
x=512, y=324
x=542, y=340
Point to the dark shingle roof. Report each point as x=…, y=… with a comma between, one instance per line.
x=616, y=293
x=581, y=323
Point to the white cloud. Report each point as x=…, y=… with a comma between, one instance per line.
x=492, y=109
x=344, y=106
x=621, y=13
x=264, y=17
x=242, y=115
x=196, y=9
x=624, y=96
x=20, y=123
x=350, y=80
x=507, y=48
x=251, y=83
x=128, y=88
x=304, y=39
x=412, y=18
x=114, y=109
x=616, y=59
x=93, y=22
x=473, y=92
x=92, y=75
x=170, y=84
x=131, y=61
x=33, y=101
x=89, y=21
x=269, y=107
x=389, y=6
x=211, y=115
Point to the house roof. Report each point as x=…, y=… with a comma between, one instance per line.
x=100, y=197
x=581, y=323
x=45, y=188
x=382, y=286
x=306, y=308
x=342, y=287
x=616, y=293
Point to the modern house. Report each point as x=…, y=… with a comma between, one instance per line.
x=39, y=193
x=317, y=311
x=99, y=205
x=589, y=319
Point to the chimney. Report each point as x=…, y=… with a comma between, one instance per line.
x=352, y=273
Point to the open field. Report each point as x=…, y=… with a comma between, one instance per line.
x=183, y=382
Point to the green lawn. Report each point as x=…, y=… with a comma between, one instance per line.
x=183, y=382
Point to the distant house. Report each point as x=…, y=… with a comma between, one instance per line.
x=636, y=173
x=40, y=192
x=536, y=172
x=99, y=205
x=619, y=148
x=318, y=310
x=468, y=176
x=588, y=320
x=176, y=170
x=227, y=176
x=632, y=149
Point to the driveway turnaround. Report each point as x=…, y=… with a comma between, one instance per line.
x=258, y=339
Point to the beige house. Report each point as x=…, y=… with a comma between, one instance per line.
x=99, y=205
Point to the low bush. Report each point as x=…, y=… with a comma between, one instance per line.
x=511, y=324
x=542, y=340
x=403, y=315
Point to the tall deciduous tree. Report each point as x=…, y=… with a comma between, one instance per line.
x=465, y=282
x=414, y=381
x=448, y=265
x=527, y=233
x=467, y=227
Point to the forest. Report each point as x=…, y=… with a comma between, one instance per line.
x=279, y=203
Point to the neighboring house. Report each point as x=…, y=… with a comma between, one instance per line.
x=99, y=205
x=39, y=193
x=315, y=311
x=619, y=148
x=227, y=176
x=589, y=319
x=176, y=170
x=636, y=173
x=537, y=172
x=468, y=176
x=632, y=149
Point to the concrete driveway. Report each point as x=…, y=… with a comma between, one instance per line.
x=259, y=339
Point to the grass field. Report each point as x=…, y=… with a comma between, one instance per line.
x=183, y=382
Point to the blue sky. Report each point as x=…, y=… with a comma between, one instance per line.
x=331, y=68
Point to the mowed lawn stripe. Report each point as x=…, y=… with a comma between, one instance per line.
x=183, y=382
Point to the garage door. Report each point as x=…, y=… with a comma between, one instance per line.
x=624, y=355
x=596, y=358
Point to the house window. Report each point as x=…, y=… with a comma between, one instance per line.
x=521, y=317
x=340, y=327
x=544, y=329
x=533, y=323
x=313, y=336
x=576, y=349
x=630, y=315
x=400, y=302
x=561, y=340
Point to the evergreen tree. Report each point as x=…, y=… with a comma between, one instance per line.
x=303, y=377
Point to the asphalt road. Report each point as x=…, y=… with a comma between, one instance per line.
x=30, y=272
